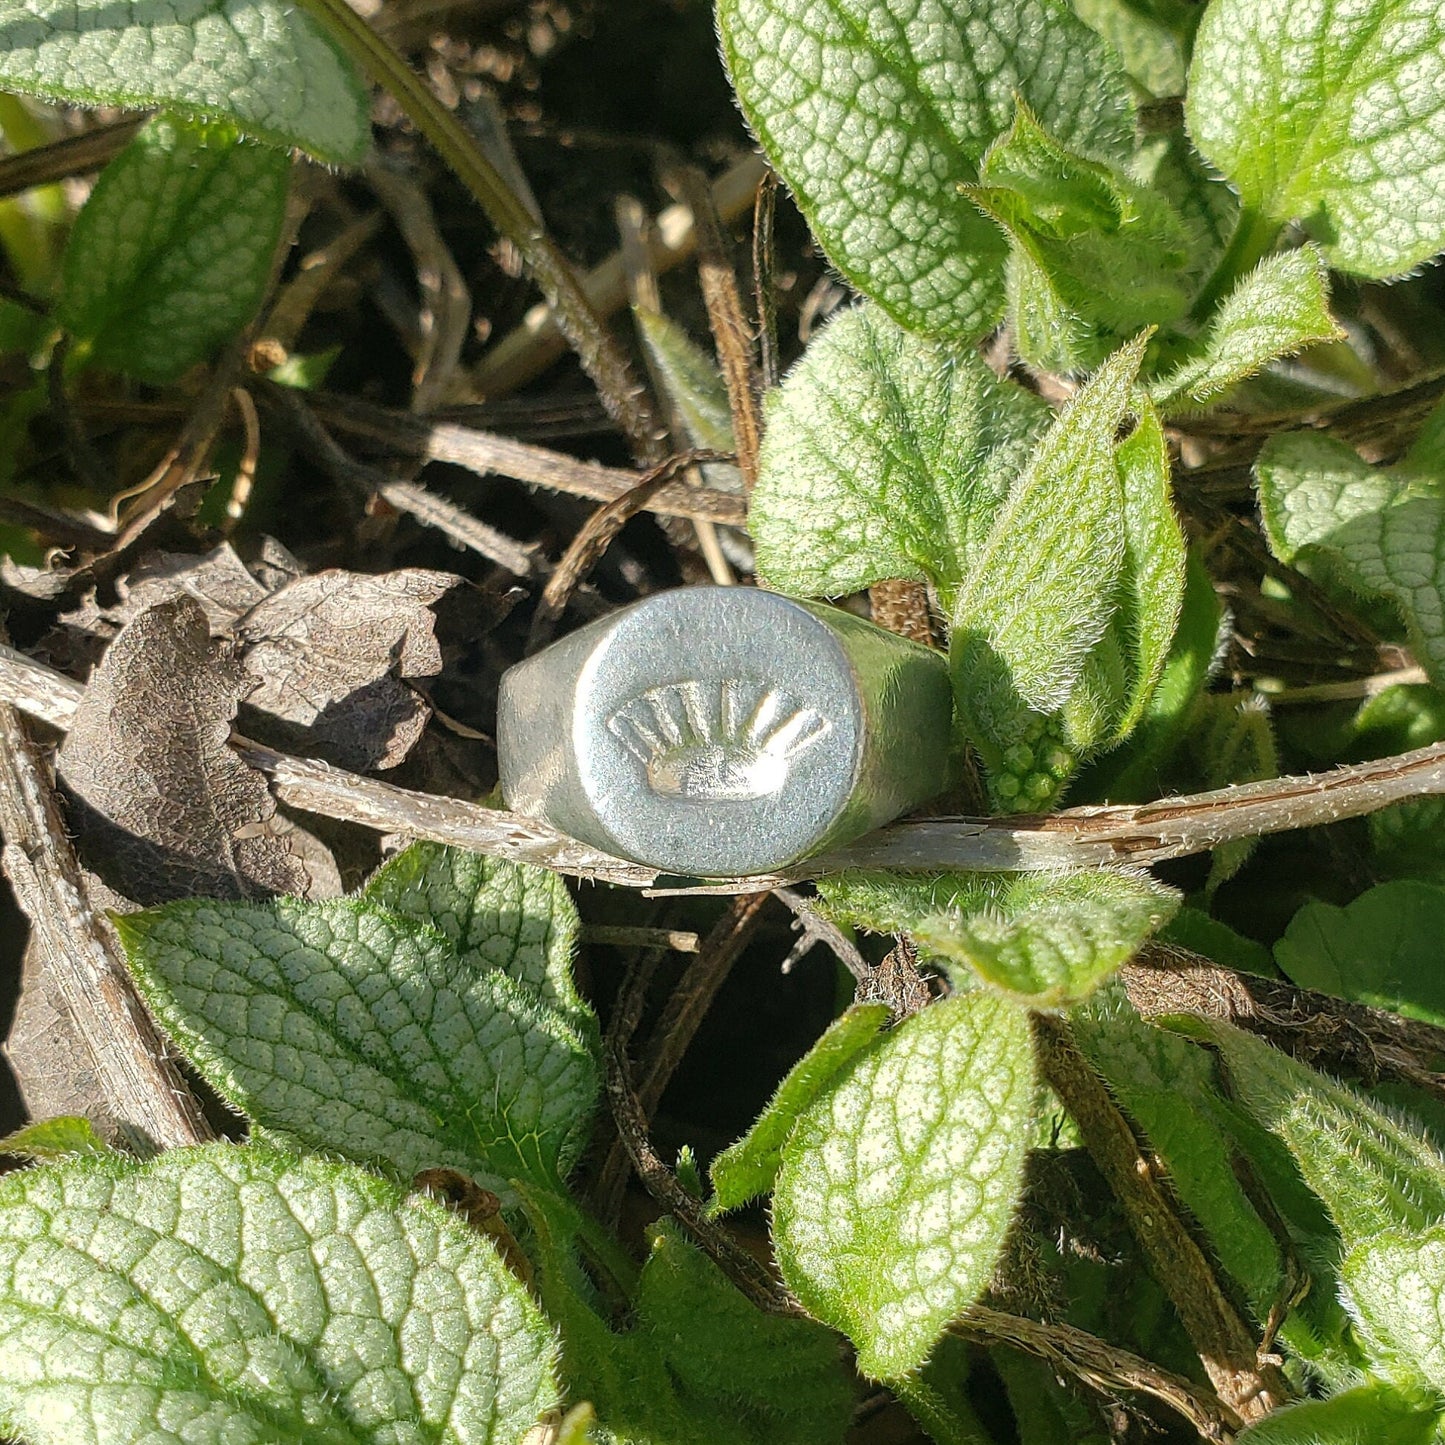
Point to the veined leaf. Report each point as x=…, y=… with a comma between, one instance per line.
x=900, y=1181
x=1395, y=1285
x=1044, y=939
x=241, y=1294
x=171, y=254
x=1112, y=254
x=263, y=64
x=1152, y=38
x=747, y=1169
x=1331, y=115
x=349, y=1027
x=1044, y=586
x=874, y=111
x=1281, y=307
x=1380, y=531
x=61, y=1138
x=885, y=455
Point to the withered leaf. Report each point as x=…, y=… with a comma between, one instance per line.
x=163, y=808
x=330, y=652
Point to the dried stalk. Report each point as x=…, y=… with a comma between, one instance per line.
x=1092, y=837
x=1226, y=1346
x=137, y=1079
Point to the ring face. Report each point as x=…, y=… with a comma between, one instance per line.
x=717, y=731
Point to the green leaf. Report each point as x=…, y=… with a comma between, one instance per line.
x=874, y=113
x=351, y=1028
x=241, y=1294
x=1371, y=1414
x=496, y=915
x=1374, y=1173
x=1409, y=839
x=263, y=64
x=885, y=456
x=899, y=1183
x=1152, y=37
x=1330, y=115
x=1281, y=307
x=691, y=379
x=1374, y=529
x=1383, y=949
x=747, y=1169
x=1112, y=253
x=1044, y=586
x=55, y=1139
x=1234, y=743
x=1195, y=930
x=171, y=254
x=777, y=1378
x=1396, y=1290
x=1044, y=939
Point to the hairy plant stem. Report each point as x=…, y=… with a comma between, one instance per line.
x=601, y=357
x=1226, y=1346
x=1253, y=239
x=945, y=1424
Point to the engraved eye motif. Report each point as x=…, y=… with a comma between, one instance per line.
x=730, y=741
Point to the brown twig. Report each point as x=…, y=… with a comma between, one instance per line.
x=488, y=454
x=1090, y=837
x=764, y=299
x=731, y=335
x=137, y=1078
x=1102, y=1366
x=1327, y=1032
x=1226, y=1346
x=747, y=1273
x=593, y=539
x=76, y=155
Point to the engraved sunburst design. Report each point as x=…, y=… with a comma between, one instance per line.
x=715, y=742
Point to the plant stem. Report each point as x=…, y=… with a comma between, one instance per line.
x=1253, y=239
x=945, y=1426
x=601, y=357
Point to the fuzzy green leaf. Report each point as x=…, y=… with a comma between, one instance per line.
x=1380, y=531
x=1152, y=38
x=1331, y=115
x=496, y=915
x=351, y=1028
x=263, y=64
x=1045, y=939
x=55, y=1139
x=1110, y=253
x=885, y=456
x=1383, y=949
x=899, y=1183
x=1374, y=1174
x=1281, y=307
x=1371, y=1414
x=1395, y=1285
x=748, y=1168
x=171, y=254
x=247, y=1296
x=874, y=114
x=691, y=379
x=1042, y=589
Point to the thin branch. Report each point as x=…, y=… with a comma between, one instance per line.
x=1091, y=837
x=76, y=155
x=489, y=454
x=1225, y=1344
x=602, y=359
x=1330, y=1033
x=137, y=1079
x=747, y=1273
x=1102, y=1367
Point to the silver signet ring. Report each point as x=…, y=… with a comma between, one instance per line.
x=723, y=731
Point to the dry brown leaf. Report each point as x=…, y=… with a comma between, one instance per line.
x=330, y=652
x=163, y=807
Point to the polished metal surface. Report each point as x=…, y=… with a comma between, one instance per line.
x=723, y=731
